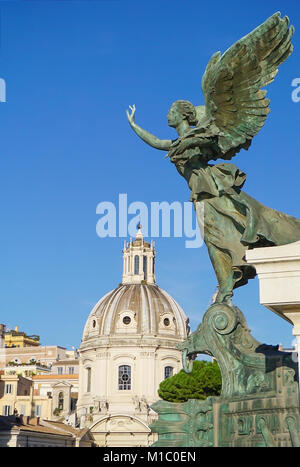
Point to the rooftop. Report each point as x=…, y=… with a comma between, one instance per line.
x=52, y=376
x=35, y=424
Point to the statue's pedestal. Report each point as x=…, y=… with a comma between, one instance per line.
x=258, y=405
x=259, y=402
x=278, y=270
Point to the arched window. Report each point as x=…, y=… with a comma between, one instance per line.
x=136, y=264
x=124, y=377
x=145, y=267
x=88, y=379
x=61, y=401
x=168, y=371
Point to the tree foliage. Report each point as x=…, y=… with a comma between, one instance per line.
x=204, y=380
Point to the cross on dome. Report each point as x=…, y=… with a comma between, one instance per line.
x=139, y=233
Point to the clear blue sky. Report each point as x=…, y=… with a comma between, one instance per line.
x=72, y=68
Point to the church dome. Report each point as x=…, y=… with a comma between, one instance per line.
x=129, y=345
x=143, y=309
x=138, y=306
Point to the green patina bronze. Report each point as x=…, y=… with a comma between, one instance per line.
x=235, y=110
x=259, y=404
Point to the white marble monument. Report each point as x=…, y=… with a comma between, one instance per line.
x=278, y=270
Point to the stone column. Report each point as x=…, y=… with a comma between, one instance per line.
x=278, y=270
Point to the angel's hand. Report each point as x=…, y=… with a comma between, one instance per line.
x=131, y=116
x=145, y=135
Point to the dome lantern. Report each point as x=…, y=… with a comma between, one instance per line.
x=138, y=260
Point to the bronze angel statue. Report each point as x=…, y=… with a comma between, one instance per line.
x=235, y=110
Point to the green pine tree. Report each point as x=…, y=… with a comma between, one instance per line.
x=205, y=380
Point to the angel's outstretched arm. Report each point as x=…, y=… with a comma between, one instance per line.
x=163, y=144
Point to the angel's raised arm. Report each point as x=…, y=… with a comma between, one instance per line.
x=163, y=144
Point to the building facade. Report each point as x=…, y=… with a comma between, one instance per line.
x=129, y=346
x=19, y=431
x=18, y=397
x=49, y=375
x=16, y=338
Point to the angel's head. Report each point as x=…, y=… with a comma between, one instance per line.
x=182, y=110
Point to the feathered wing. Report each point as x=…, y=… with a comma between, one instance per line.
x=232, y=83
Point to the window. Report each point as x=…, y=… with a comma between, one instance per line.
x=145, y=267
x=124, y=377
x=61, y=401
x=73, y=404
x=126, y=320
x=166, y=322
x=168, y=371
x=6, y=410
x=8, y=389
x=88, y=379
x=38, y=410
x=60, y=370
x=136, y=264
x=71, y=370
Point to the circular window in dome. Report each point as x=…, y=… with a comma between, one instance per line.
x=126, y=320
x=166, y=322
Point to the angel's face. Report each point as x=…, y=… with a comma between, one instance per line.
x=174, y=116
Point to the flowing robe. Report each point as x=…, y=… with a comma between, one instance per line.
x=231, y=220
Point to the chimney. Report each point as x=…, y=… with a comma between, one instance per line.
x=35, y=421
x=24, y=419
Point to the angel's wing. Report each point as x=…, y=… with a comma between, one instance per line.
x=232, y=83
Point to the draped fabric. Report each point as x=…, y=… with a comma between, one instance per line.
x=233, y=220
